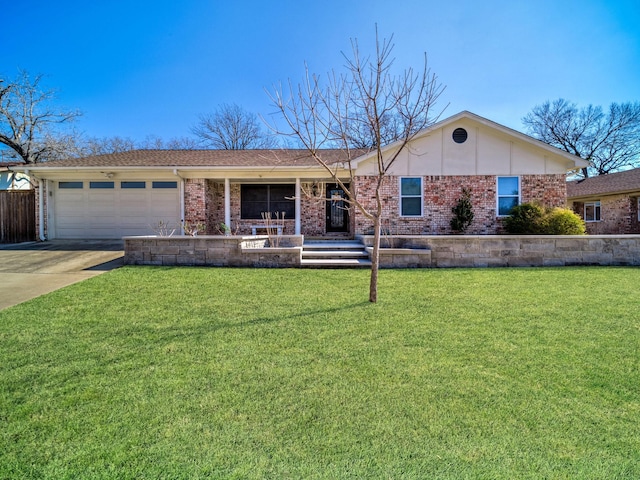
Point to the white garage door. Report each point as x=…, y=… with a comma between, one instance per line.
x=114, y=209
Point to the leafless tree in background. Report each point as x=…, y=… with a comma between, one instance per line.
x=231, y=127
x=86, y=147
x=360, y=104
x=30, y=126
x=610, y=141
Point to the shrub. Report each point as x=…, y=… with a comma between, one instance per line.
x=525, y=219
x=463, y=212
x=533, y=219
x=562, y=221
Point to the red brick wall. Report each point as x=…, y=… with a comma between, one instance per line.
x=313, y=210
x=214, y=192
x=195, y=203
x=634, y=226
x=204, y=203
x=441, y=193
x=36, y=187
x=618, y=214
x=550, y=190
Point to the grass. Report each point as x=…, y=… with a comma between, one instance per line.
x=239, y=373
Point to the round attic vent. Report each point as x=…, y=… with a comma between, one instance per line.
x=459, y=135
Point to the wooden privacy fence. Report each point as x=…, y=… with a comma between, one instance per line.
x=17, y=216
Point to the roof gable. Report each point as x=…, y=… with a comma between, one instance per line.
x=489, y=149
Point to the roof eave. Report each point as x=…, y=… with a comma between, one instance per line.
x=591, y=196
x=299, y=171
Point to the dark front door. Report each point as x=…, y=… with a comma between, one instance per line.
x=337, y=210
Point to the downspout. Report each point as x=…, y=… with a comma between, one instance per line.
x=181, y=193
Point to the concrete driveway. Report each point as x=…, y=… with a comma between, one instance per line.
x=30, y=270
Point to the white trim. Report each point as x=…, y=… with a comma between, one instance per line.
x=227, y=203
x=298, y=227
x=181, y=192
x=400, y=196
x=498, y=177
x=596, y=206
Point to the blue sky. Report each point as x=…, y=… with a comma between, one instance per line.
x=150, y=67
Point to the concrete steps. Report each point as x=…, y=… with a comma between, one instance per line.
x=334, y=254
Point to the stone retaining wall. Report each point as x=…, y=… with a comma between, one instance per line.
x=420, y=251
x=403, y=257
x=214, y=250
x=522, y=250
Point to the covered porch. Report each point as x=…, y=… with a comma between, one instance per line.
x=314, y=207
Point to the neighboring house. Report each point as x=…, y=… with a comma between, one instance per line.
x=130, y=193
x=13, y=180
x=17, y=206
x=609, y=204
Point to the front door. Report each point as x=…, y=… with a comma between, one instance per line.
x=337, y=210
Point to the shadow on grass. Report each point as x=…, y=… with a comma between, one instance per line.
x=264, y=320
x=201, y=326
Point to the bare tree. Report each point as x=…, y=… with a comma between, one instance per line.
x=174, y=143
x=85, y=147
x=29, y=123
x=101, y=146
x=609, y=141
x=231, y=127
x=326, y=115
x=360, y=134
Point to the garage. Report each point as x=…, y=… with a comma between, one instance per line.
x=113, y=209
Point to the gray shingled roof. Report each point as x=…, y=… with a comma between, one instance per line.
x=199, y=158
x=620, y=182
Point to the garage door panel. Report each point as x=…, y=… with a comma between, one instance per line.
x=139, y=210
x=114, y=212
x=132, y=220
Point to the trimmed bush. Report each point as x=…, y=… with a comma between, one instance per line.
x=562, y=221
x=525, y=219
x=534, y=219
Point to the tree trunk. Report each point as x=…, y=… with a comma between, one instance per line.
x=375, y=257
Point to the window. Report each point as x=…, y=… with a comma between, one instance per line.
x=133, y=184
x=69, y=184
x=255, y=199
x=410, y=196
x=164, y=184
x=508, y=194
x=100, y=184
x=592, y=211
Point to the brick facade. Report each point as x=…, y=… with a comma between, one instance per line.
x=38, y=193
x=204, y=203
x=195, y=201
x=618, y=216
x=441, y=193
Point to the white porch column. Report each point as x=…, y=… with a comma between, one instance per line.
x=297, y=197
x=227, y=203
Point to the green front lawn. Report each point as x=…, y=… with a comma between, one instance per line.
x=240, y=373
